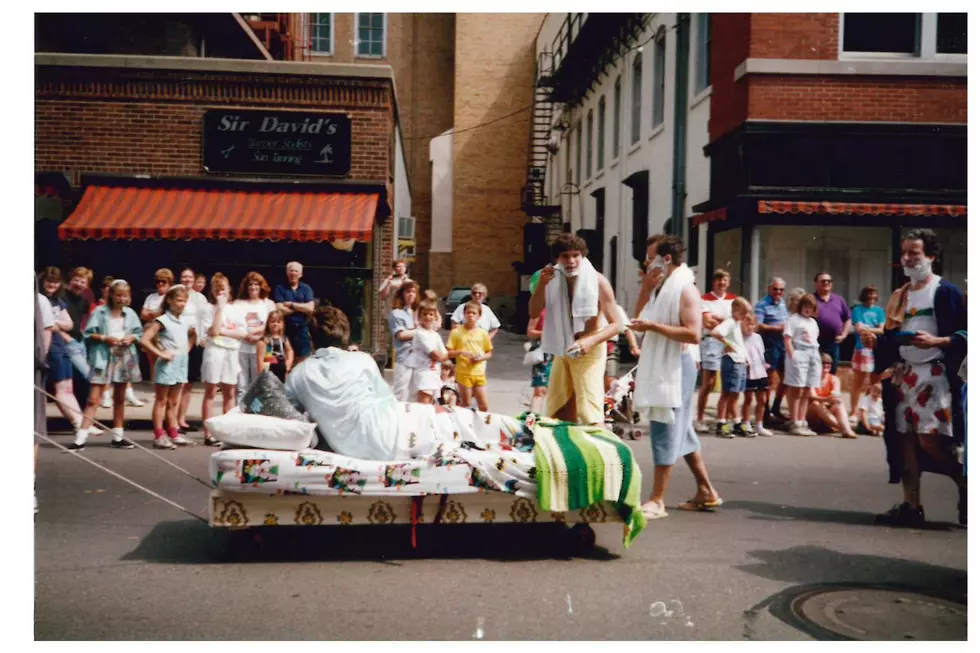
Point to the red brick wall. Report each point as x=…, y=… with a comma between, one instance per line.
x=729, y=47
x=856, y=99
x=793, y=36
x=119, y=121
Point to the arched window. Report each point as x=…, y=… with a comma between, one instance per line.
x=636, y=99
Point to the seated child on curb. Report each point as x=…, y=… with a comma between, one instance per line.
x=826, y=411
x=471, y=347
x=733, y=367
x=871, y=412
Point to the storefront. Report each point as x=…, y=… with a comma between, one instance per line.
x=224, y=166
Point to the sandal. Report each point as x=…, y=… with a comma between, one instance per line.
x=211, y=442
x=700, y=505
x=652, y=510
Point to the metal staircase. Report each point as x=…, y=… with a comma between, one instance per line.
x=534, y=197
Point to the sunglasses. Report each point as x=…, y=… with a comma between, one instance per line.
x=159, y=281
x=779, y=290
x=825, y=281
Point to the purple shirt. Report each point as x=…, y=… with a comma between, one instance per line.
x=831, y=315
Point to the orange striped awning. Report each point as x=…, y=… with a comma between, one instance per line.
x=127, y=213
x=721, y=213
x=850, y=208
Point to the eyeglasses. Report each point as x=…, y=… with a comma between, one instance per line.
x=825, y=281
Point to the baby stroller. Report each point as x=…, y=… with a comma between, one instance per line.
x=618, y=407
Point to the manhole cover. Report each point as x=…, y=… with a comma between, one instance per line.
x=882, y=614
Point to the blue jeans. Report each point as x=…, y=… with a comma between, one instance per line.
x=78, y=356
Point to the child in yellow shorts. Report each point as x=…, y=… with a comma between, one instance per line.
x=471, y=347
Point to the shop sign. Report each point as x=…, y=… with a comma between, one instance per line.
x=277, y=142
x=406, y=249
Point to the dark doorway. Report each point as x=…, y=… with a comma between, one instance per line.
x=613, y=261
x=639, y=183
x=598, y=257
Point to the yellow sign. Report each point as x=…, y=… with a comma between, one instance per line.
x=406, y=249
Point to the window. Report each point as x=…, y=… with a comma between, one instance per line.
x=637, y=99
x=321, y=33
x=617, y=112
x=578, y=154
x=882, y=33
x=659, y=70
x=589, y=130
x=406, y=227
x=370, y=35
x=601, y=136
x=951, y=34
x=702, y=77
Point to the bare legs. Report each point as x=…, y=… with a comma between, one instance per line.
x=707, y=385
x=537, y=400
x=64, y=395
x=185, y=401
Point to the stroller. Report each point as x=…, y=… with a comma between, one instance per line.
x=618, y=407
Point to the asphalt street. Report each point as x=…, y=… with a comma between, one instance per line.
x=115, y=563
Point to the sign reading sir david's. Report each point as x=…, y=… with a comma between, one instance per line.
x=277, y=142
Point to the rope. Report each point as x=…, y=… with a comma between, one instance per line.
x=121, y=477
x=138, y=446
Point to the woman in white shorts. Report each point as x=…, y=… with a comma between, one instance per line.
x=220, y=368
x=803, y=365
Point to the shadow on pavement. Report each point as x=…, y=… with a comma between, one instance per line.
x=776, y=512
x=193, y=542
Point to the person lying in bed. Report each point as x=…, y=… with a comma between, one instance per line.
x=345, y=394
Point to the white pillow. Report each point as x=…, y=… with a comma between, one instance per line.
x=262, y=432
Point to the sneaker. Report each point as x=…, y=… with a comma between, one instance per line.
x=106, y=400
x=744, y=430
x=725, y=431
x=74, y=446
x=763, y=432
x=719, y=427
x=135, y=402
x=163, y=443
x=122, y=444
x=180, y=441
x=902, y=514
x=800, y=429
x=701, y=427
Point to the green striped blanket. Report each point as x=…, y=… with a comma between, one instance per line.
x=578, y=466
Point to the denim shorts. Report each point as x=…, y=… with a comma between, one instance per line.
x=711, y=354
x=733, y=375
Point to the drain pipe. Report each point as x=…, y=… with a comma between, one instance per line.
x=681, y=76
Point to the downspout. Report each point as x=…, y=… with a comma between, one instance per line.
x=681, y=76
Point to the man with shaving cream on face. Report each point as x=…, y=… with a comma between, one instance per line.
x=582, y=316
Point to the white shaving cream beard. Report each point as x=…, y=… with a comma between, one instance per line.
x=569, y=273
x=920, y=272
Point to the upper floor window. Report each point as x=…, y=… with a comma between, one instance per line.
x=601, y=135
x=321, y=33
x=637, y=99
x=589, y=130
x=903, y=35
x=578, y=154
x=659, y=77
x=371, y=35
x=702, y=59
x=617, y=113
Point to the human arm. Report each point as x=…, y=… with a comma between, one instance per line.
x=290, y=357
x=609, y=309
x=191, y=339
x=305, y=307
x=689, y=329
x=147, y=342
x=62, y=321
x=386, y=287
x=533, y=330
x=845, y=315
x=788, y=343
x=537, y=303
x=634, y=345
x=260, y=363
x=649, y=283
x=710, y=320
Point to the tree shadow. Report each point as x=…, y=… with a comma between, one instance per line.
x=775, y=512
x=193, y=542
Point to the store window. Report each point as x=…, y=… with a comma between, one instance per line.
x=371, y=35
x=637, y=99
x=952, y=256
x=601, y=136
x=728, y=256
x=321, y=33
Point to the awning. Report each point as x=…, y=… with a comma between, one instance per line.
x=721, y=213
x=129, y=213
x=849, y=208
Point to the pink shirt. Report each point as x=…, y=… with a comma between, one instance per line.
x=756, y=353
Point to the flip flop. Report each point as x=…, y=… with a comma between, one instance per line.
x=695, y=505
x=652, y=511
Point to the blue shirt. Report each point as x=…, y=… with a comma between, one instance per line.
x=303, y=294
x=873, y=317
x=400, y=320
x=770, y=313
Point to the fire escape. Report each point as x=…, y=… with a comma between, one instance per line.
x=534, y=196
x=278, y=33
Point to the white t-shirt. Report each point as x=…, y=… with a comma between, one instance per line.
x=488, y=321
x=255, y=313
x=117, y=327
x=47, y=315
x=803, y=331
x=424, y=343
x=231, y=319
x=719, y=306
x=153, y=302
x=195, y=310
x=874, y=410
x=921, y=301
x=731, y=331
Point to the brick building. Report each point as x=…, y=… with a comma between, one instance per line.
x=831, y=134
x=136, y=169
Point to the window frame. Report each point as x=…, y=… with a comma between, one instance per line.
x=659, y=89
x=636, y=100
x=702, y=59
x=313, y=25
x=601, y=135
x=384, y=36
x=617, y=115
x=578, y=153
x=928, y=32
x=589, y=131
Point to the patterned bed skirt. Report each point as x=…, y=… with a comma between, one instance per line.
x=243, y=510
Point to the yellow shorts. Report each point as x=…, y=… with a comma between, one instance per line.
x=468, y=381
x=581, y=378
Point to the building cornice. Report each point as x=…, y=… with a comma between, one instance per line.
x=892, y=68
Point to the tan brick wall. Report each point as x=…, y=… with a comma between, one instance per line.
x=794, y=36
x=857, y=99
x=494, y=77
x=149, y=122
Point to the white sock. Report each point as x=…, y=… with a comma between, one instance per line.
x=758, y=426
x=117, y=435
x=130, y=395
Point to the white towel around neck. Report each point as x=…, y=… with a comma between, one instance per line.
x=559, y=331
x=658, y=373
